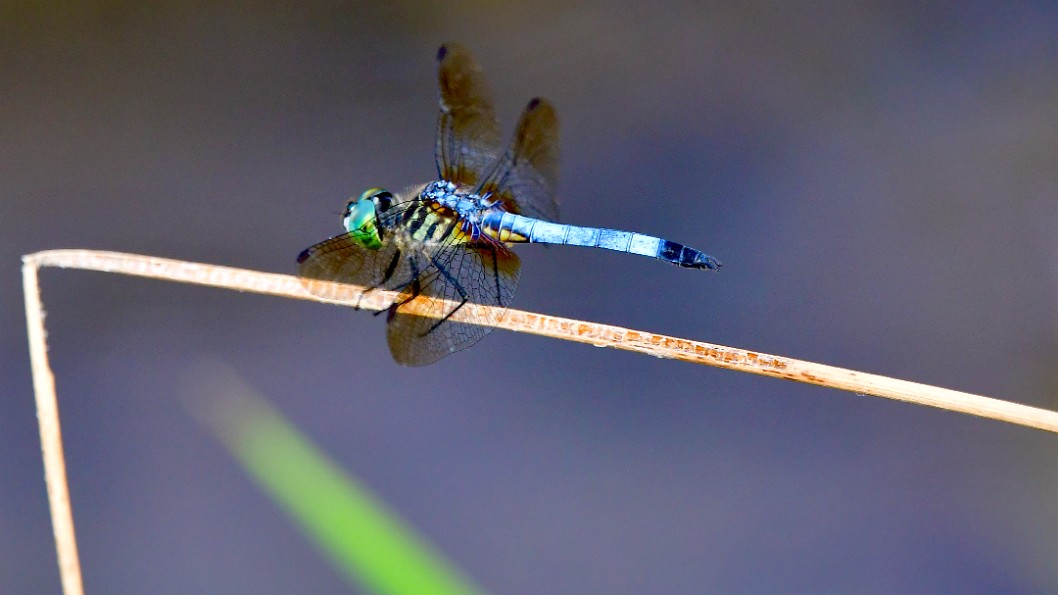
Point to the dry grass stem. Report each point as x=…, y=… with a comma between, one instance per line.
x=50, y=436
x=661, y=346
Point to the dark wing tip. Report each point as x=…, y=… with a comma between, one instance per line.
x=441, y=51
x=304, y=255
x=539, y=103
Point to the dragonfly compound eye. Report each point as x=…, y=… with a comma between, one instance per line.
x=362, y=225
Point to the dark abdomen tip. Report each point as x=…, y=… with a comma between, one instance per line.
x=687, y=257
x=704, y=261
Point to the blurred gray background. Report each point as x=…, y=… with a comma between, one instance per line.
x=880, y=181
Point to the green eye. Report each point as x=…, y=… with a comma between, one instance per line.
x=362, y=226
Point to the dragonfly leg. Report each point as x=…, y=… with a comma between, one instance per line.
x=416, y=289
x=412, y=289
x=361, y=296
x=496, y=271
x=390, y=268
x=464, y=298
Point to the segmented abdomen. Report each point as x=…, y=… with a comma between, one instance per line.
x=511, y=228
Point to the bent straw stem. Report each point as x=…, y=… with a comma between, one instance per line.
x=50, y=436
x=662, y=346
x=602, y=335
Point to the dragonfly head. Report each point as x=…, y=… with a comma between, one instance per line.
x=361, y=217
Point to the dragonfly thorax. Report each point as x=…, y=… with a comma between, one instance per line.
x=448, y=195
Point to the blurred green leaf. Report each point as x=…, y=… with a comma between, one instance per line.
x=366, y=541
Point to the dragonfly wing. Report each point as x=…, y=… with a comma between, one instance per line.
x=338, y=260
x=341, y=260
x=524, y=179
x=468, y=134
x=460, y=275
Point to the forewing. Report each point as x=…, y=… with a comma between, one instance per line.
x=341, y=260
x=468, y=134
x=524, y=179
x=338, y=260
x=480, y=274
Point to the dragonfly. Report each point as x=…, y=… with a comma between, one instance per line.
x=447, y=243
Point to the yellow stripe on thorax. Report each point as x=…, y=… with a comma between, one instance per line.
x=434, y=223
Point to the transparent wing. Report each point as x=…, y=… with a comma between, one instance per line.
x=339, y=260
x=435, y=276
x=458, y=273
x=342, y=260
x=526, y=176
x=468, y=134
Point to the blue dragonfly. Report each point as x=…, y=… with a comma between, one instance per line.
x=447, y=243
